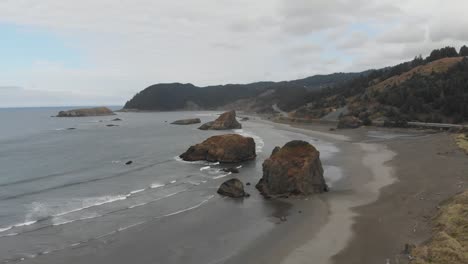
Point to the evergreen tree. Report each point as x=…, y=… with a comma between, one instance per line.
x=464, y=51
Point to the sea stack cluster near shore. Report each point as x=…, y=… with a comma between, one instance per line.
x=294, y=169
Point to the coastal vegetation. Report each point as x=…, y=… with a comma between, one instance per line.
x=462, y=141
x=95, y=111
x=449, y=243
x=431, y=89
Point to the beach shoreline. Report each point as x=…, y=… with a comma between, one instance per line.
x=327, y=229
x=421, y=170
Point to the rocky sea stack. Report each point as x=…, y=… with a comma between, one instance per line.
x=294, y=169
x=225, y=121
x=232, y=188
x=96, y=111
x=230, y=148
x=187, y=121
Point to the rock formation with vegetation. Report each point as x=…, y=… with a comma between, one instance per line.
x=96, y=111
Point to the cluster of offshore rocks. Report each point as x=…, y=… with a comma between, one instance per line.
x=292, y=170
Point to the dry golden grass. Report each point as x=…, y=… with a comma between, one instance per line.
x=462, y=142
x=437, y=66
x=449, y=245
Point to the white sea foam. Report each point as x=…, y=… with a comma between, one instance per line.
x=136, y=205
x=259, y=143
x=130, y=226
x=137, y=191
x=222, y=175
x=92, y=202
x=5, y=229
x=174, y=181
x=56, y=221
x=27, y=223
x=200, y=162
x=205, y=168
x=186, y=209
x=156, y=185
x=9, y=235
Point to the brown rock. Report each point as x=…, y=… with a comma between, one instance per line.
x=96, y=111
x=187, y=121
x=229, y=148
x=225, y=121
x=293, y=169
x=349, y=122
x=233, y=188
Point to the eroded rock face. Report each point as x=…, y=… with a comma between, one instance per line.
x=229, y=148
x=349, y=122
x=96, y=111
x=187, y=121
x=294, y=169
x=232, y=188
x=225, y=121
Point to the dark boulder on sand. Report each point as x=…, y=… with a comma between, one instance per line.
x=96, y=111
x=233, y=188
x=294, y=169
x=116, y=119
x=187, y=121
x=229, y=148
x=349, y=122
x=224, y=122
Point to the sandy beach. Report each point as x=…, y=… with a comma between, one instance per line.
x=398, y=178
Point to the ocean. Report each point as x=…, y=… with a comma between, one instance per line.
x=63, y=188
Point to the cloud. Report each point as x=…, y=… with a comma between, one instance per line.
x=130, y=44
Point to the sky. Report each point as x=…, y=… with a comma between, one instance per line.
x=102, y=52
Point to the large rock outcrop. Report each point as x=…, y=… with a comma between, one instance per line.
x=232, y=188
x=96, y=111
x=294, y=169
x=349, y=122
x=229, y=148
x=225, y=121
x=187, y=121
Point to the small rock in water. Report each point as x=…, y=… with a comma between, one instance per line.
x=233, y=188
x=283, y=218
x=248, y=184
x=71, y=128
x=111, y=125
x=116, y=119
x=128, y=162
